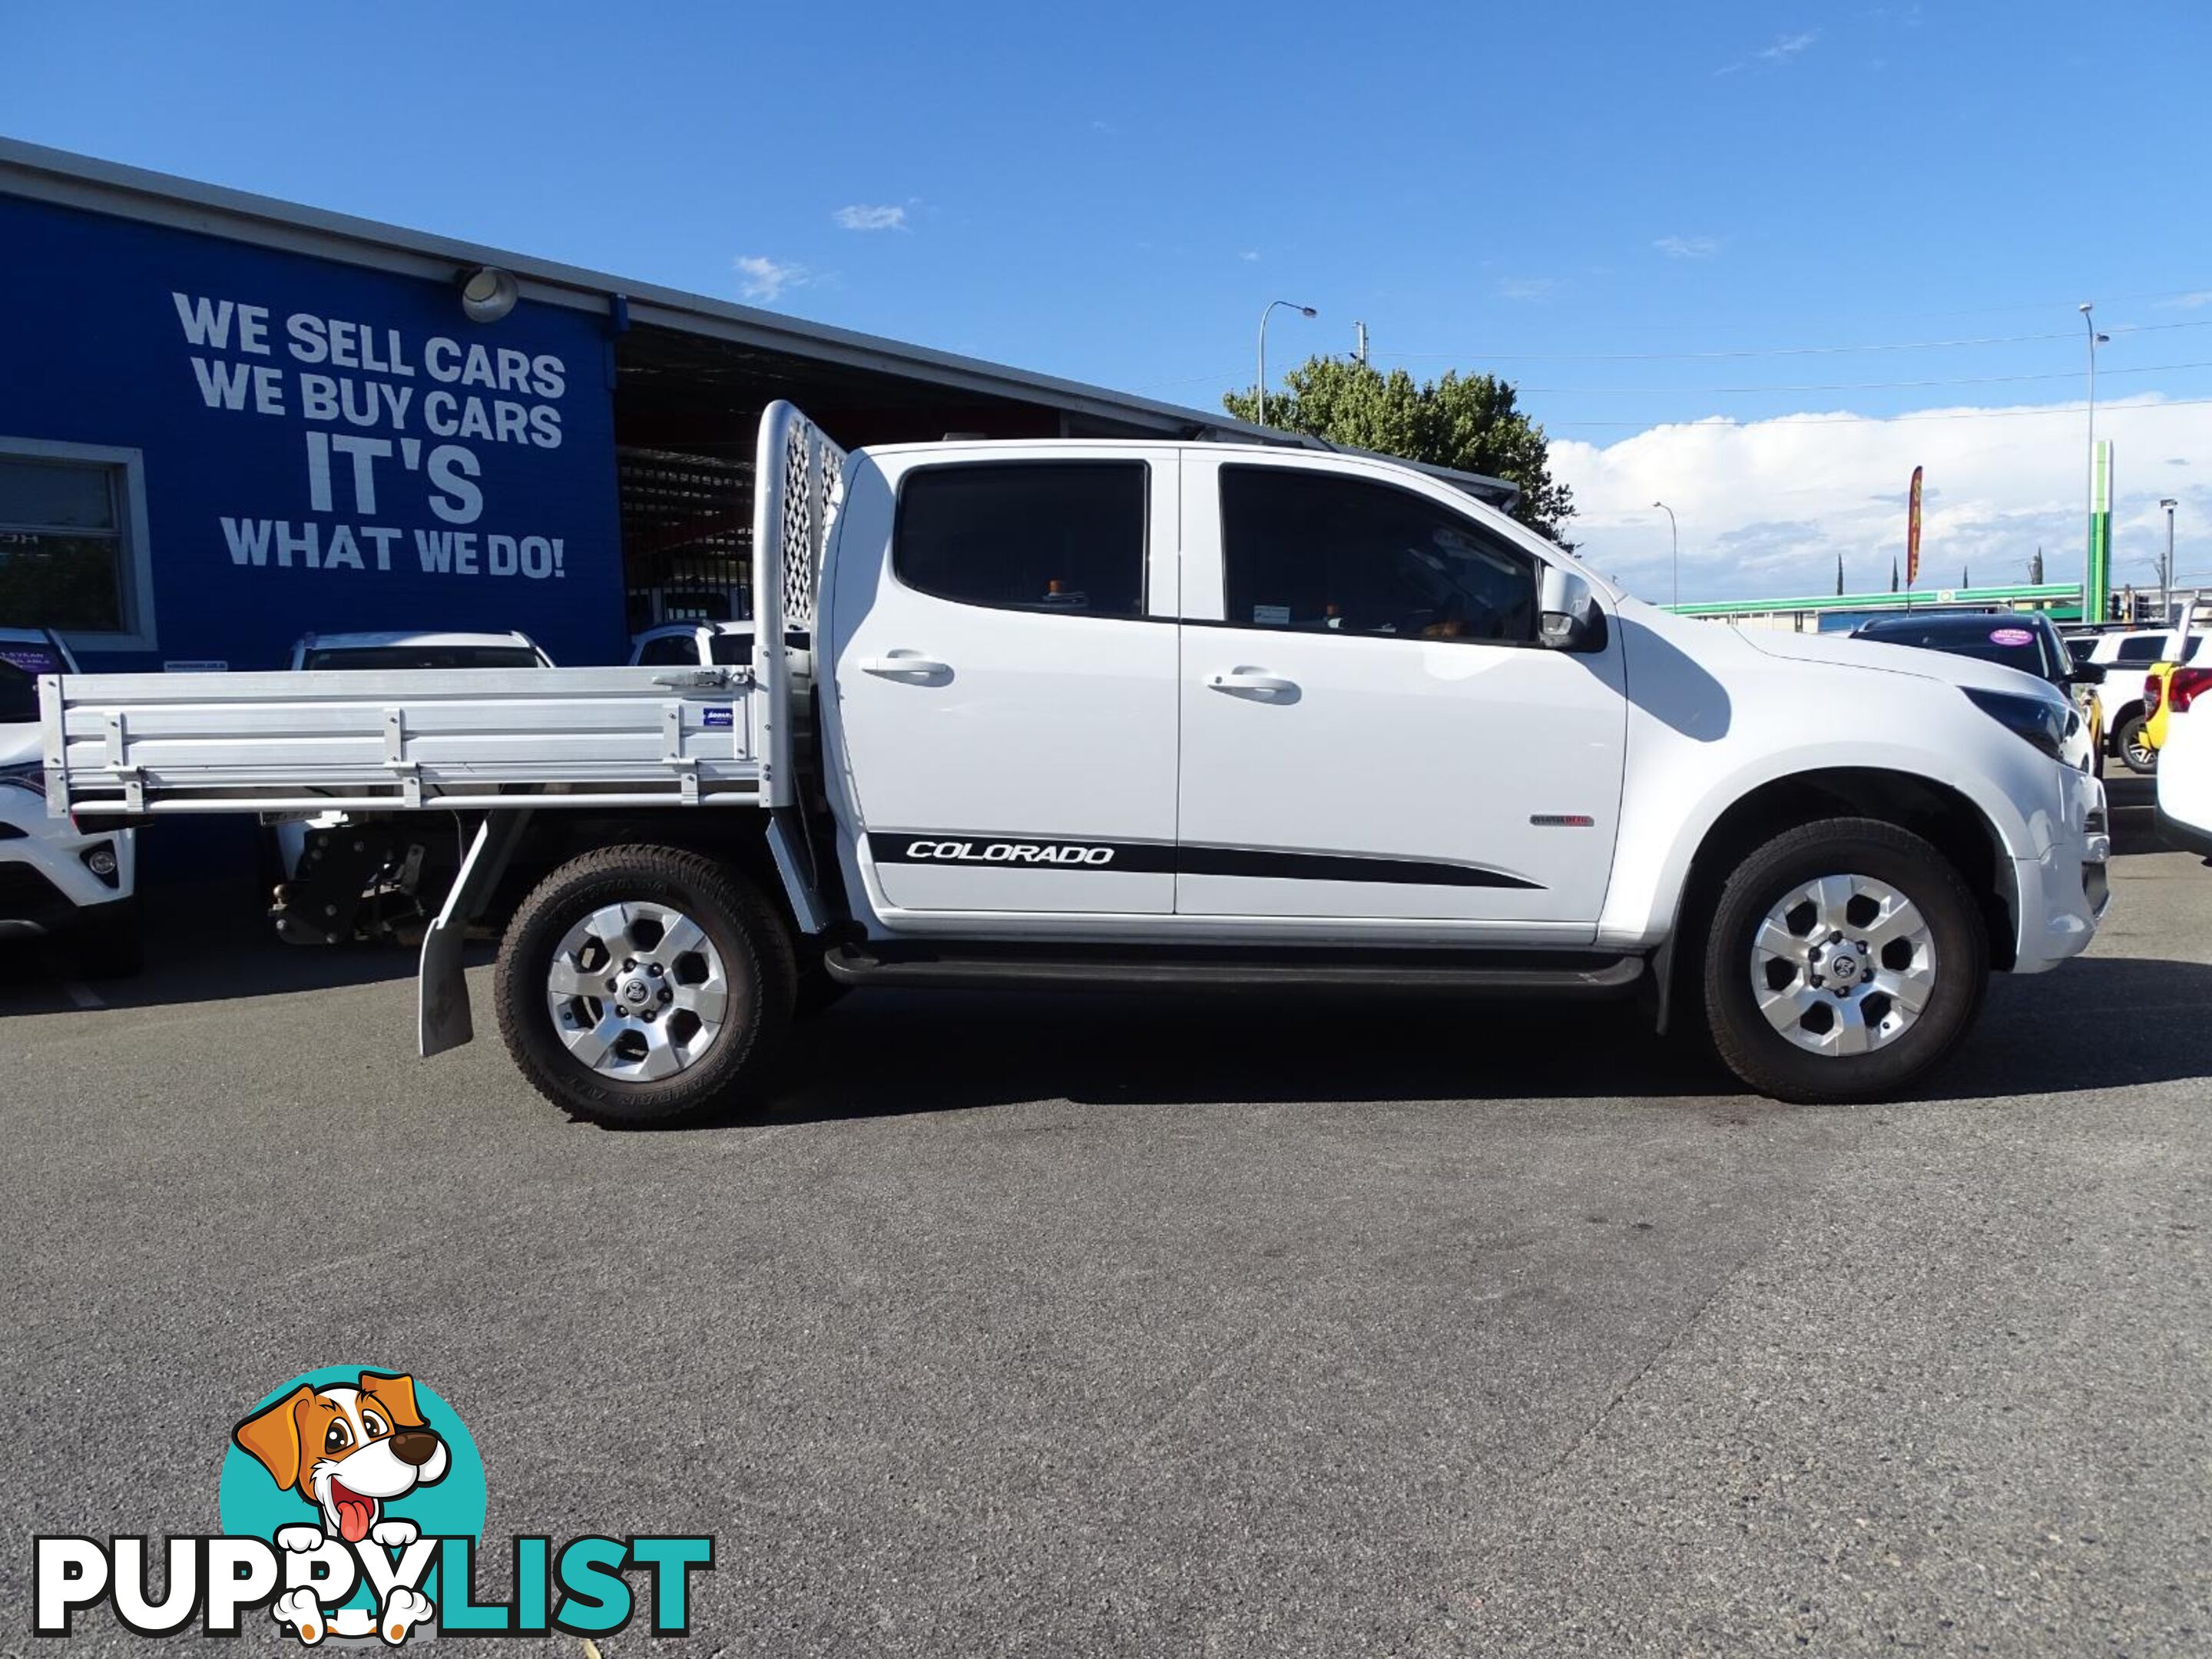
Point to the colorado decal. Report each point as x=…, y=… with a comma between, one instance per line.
x=1156, y=857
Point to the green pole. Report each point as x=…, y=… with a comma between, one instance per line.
x=2100, y=533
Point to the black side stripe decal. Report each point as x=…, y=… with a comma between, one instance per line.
x=1024, y=852
x=1338, y=866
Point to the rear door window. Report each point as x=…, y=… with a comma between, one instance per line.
x=734, y=650
x=2141, y=648
x=1063, y=537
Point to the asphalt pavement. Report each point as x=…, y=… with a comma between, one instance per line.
x=1068, y=1324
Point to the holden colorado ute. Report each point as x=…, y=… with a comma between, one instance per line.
x=1168, y=715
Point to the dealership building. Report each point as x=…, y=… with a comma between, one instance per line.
x=226, y=422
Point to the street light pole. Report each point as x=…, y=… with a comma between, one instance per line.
x=2089, y=551
x=1674, y=532
x=2165, y=568
x=1287, y=305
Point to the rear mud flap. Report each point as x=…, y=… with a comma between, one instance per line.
x=443, y=1021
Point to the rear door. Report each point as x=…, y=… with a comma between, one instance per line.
x=1370, y=730
x=1005, y=651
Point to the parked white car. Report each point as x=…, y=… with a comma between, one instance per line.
x=694, y=645
x=417, y=650
x=2185, y=765
x=2126, y=655
x=55, y=879
x=2025, y=641
x=330, y=914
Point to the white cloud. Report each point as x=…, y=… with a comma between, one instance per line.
x=1784, y=48
x=1789, y=46
x=859, y=216
x=760, y=278
x=1251, y=256
x=1527, y=288
x=2188, y=301
x=1689, y=247
x=1767, y=506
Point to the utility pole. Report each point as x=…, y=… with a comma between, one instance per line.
x=2165, y=568
x=1359, y=349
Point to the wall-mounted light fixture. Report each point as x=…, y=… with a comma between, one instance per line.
x=488, y=293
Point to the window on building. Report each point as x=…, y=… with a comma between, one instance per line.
x=72, y=555
x=1316, y=551
x=1056, y=536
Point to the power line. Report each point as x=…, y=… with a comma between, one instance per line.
x=1815, y=417
x=1229, y=379
x=1834, y=385
x=1775, y=351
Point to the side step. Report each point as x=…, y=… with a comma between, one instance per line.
x=1546, y=973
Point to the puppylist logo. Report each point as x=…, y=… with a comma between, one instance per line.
x=352, y=1505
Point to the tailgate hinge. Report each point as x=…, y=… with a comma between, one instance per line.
x=672, y=752
x=395, y=758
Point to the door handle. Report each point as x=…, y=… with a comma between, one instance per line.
x=1251, y=683
x=904, y=665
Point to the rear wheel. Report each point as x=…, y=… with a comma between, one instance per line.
x=1845, y=960
x=643, y=986
x=2135, y=748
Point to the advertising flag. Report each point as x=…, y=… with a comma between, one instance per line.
x=1912, y=534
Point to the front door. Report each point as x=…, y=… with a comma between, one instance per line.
x=1006, y=694
x=1370, y=730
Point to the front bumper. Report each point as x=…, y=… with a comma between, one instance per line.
x=2063, y=892
x=2184, y=836
x=45, y=885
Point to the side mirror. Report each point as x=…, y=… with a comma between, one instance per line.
x=1568, y=617
x=2088, y=673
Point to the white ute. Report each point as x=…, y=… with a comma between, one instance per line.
x=1172, y=714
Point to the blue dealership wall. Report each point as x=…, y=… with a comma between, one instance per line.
x=326, y=447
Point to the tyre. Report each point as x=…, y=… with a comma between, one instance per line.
x=2133, y=749
x=113, y=947
x=1845, y=959
x=644, y=986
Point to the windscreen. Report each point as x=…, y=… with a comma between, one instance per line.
x=425, y=656
x=2006, y=644
x=18, y=693
x=22, y=662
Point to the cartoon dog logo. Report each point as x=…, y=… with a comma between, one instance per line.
x=349, y=1451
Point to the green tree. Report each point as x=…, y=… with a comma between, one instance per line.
x=1469, y=421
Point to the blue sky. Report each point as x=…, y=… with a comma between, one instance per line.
x=1646, y=216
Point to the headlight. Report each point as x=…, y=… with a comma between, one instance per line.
x=2041, y=720
x=31, y=775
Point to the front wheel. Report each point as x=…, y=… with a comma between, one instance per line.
x=1845, y=960
x=641, y=986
